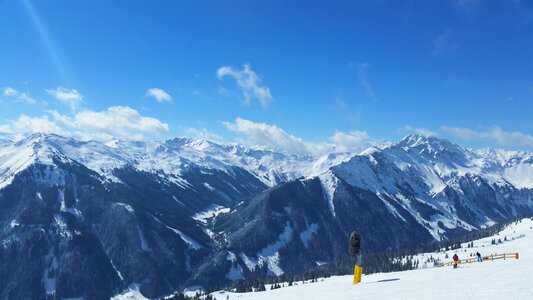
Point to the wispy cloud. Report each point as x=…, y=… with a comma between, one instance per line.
x=69, y=97
x=117, y=121
x=23, y=97
x=159, y=95
x=494, y=134
x=249, y=83
x=444, y=43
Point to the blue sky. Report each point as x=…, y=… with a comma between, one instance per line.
x=296, y=75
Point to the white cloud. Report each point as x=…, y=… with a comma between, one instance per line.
x=421, y=131
x=10, y=92
x=249, y=82
x=70, y=97
x=494, y=134
x=267, y=135
x=350, y=141
x=23, y=97
x=272, y=136
x=26, y=125
x=159, y=95
x=117, y=121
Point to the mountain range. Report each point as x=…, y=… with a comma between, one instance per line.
x=88, y=219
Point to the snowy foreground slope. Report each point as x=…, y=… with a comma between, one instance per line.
x=498, y=279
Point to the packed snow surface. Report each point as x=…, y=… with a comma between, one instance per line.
x=498, y=279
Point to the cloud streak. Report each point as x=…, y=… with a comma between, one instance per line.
x=249, y=83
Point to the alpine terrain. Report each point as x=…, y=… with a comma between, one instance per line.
x=89, y=219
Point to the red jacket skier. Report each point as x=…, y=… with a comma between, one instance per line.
x=455, y=260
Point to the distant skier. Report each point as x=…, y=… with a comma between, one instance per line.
x=455, y=260
x=479, y=258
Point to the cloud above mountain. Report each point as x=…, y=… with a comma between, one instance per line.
x=267, y=135
x=263, y=134
x=116, y=121
x=494, y=134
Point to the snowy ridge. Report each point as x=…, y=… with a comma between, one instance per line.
x=435, y=159
x=173, y=157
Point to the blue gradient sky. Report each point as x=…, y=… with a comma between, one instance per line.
x=347, y=72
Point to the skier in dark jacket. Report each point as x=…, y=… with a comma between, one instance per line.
x=479, y=258
x=455, y=260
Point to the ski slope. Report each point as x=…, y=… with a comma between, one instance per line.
x=498, y=279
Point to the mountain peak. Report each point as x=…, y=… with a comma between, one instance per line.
x=414, y=140
x=430, y=142
x=42, y=138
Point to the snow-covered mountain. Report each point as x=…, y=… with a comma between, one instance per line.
x=181, y=212
x=448, y=179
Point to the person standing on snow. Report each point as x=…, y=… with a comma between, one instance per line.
x=479, y=259
x=455, y=260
